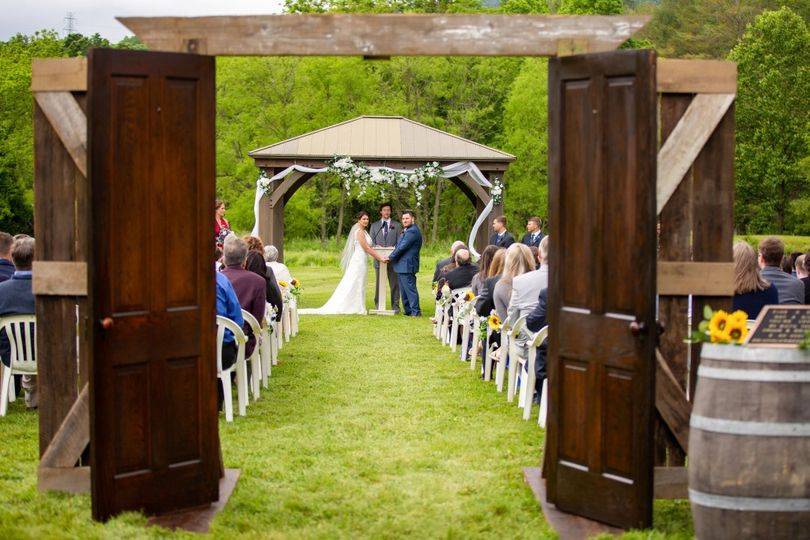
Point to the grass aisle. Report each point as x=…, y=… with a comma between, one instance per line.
x=370, y=428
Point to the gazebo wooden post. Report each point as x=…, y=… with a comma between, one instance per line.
x=497, y=210
x=271, y=218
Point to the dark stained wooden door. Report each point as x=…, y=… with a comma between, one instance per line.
x=153, y=392
x=602, y=171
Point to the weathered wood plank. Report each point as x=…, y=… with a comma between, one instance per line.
x=687, y=139
x=67, y=479
x=73, y=436
x=59, y=74
x=60, y=278
x=696, y=278
x=696, y=76
x=69, y=122
x=671, y=403
x=384, y=34
x=671, y=483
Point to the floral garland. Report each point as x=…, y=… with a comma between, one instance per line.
x=496, y=192
x=363, y=177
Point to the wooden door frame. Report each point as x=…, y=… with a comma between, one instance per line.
x=59, y=85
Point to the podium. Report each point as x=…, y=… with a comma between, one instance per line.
x=382, y=286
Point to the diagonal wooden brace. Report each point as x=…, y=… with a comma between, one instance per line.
x=671, y=403
x=70, y=123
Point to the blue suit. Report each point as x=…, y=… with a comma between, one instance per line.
x=405, y=259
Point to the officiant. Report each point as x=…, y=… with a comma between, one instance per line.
x=385, y=233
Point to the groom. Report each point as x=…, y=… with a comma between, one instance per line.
x=406, y=263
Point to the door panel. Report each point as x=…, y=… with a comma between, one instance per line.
x=602, y=143
x=153, y=380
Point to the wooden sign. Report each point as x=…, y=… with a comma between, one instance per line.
x=780, y=326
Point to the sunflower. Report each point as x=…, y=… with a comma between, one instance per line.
x=469, y=296
x=740, y=316
x=494, y=322
x=736, y=330
x=283, y=283
x=295, y=282
x=717, y=326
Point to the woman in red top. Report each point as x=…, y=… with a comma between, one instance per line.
x=221, y=226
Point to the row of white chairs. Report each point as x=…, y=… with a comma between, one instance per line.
x=21, y=333
x=456, y=316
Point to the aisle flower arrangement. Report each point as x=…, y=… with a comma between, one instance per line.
x=720, y=327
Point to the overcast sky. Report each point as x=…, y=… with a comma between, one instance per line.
x=91, y=16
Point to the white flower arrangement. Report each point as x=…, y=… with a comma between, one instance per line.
x=362, y=177
x=497, y=192
x=263, y=183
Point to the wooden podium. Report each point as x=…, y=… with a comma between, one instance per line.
x=382, y=286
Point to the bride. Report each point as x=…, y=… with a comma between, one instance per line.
x=350, y=296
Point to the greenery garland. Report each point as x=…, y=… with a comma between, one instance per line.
x=356, y=174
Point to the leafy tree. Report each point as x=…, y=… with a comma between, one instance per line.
x=78, y=45
x=591, y=7
x=773, y=128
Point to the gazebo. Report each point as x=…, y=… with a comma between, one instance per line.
x=378, y=141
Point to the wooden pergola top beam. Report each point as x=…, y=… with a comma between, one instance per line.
x=59, y=74
x=384, y=35
x=676, y=76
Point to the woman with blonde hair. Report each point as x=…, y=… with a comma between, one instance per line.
x=751, y=291
x=518, y=261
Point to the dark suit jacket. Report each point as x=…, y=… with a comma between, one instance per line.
x=536, y=319
x=437, y=273
x=6, y=270
x=527, y=239
x=378, y=238
x=504, y=241
x=406, y=255
x=251, y=289
x=461, y=276
x=486, y=300
x=16, y=298
x=806, y=282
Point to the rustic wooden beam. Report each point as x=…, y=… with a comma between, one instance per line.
x=676, y=76
x=59, y=278
x=671, y=483
x=670, y=400
x=385, y=34
x=66, y=479
x=59, y=74
x=69, y=122
x=687, y=140
x=73, y=436
x=681, y=278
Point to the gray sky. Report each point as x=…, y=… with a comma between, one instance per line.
x=91, y=16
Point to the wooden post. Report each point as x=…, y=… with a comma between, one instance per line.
x=271, y=218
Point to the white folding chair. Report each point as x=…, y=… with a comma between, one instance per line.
x=256, y=356
x=223, y=323
x=286, y=319
x=458, y=300
x=445, y=330
x=488, y=355
x=21, y=332
x=476, y=339
x=294, y=316
x=465, y=336
x=503, y=352
x=439, y=317
x=267, y=345
x=531, y=380
x=515, y=359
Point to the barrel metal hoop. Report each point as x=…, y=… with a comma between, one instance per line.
x=756, y=375
x=748, y=504
x=743, y=427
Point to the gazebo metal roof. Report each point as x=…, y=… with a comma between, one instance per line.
x=390, y=138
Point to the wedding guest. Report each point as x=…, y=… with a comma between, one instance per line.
x=458, y=244
x=227, y=306
x=787, y=265
x=535, y=321
x=771, y=252
x=254, y=243
x=793, y=257
x=526, y=287
x=255, y=263
x=280, y=269
x=464, y=272
x=485, y=302
x=518, y=261
x=534, y=232
x=217, y=259
x=6, y=266
x=803, y=273
x=250, y=288
x=221, y=226
x=501, y=237
x=483, y=267
x=751, y=291
x=17, y=298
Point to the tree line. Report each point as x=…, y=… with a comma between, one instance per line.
x=500, y=102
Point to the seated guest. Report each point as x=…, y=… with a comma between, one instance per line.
x=250, y=288
x=280, y=269
x=217, y=259
x=254, y=243
x=526, y=287
x=485, y=301
x=787, y=265
x=255, y=263
x=535, y=321
x=500, y=236
x=228, y=306
x=483, y=267
x=443, y=263
x=518, y=261
x=534, y=232
x=793, y=258
x=803, y=273
x=6, y=266
x=17, y=298
x=771, y=252
x=751, y=291
x=462, y=274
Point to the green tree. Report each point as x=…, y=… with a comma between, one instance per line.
x=591, y=7
x=773, y=127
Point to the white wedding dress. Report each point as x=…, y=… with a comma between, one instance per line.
x=349, y=297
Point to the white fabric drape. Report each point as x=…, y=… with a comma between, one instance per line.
x=450, y=171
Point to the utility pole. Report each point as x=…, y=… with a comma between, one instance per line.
x=70, y=19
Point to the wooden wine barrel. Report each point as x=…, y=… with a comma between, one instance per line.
x=749, y=444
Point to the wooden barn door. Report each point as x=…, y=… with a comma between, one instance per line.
x=602, y=148
x=153, y=395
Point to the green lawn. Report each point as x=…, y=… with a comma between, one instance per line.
x=370, y=429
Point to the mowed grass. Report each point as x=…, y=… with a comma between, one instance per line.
x=370, y=429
